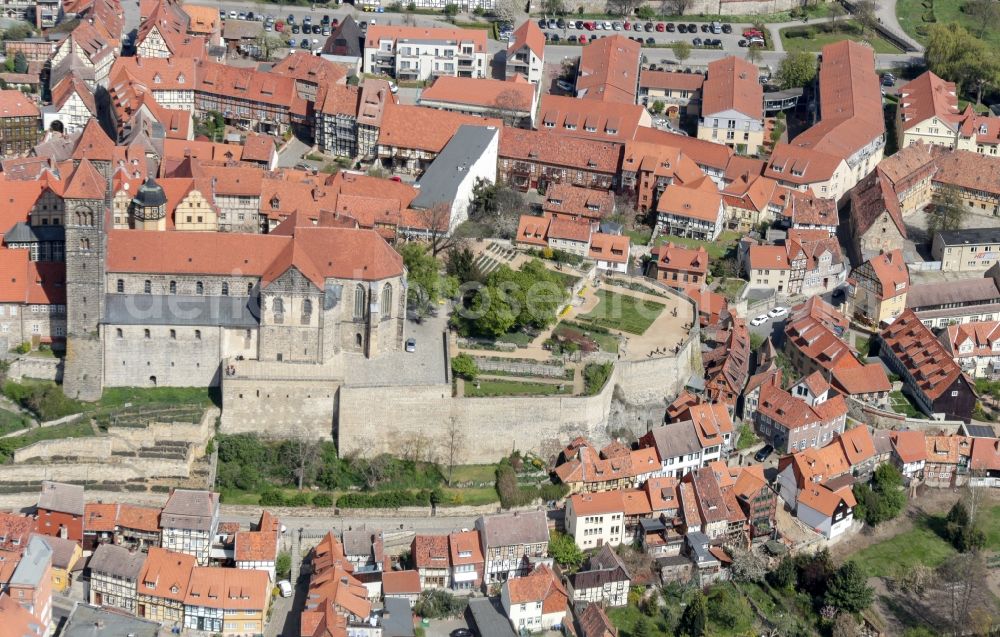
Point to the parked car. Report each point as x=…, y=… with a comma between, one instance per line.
x=682, y=28
x=660, y=27
x=704, y=28
x=292, y=43
x=305, y=43
x=650, y=41
x=583, y=39
x=552, y=24
x=564, y=86
x=588, y=26
x=696, y=41
x=888, y=79
x=776, y=312
x=571, y=38
x=716, y=27
x=742, y=43
x=617, y=26
x=764, y=452
x=326, y=19
x=760, y=320
x=296, y=29
x=411, y=345
x=648, y=27
x=560, y=23
x=285, y=587
x=554, y=37
x=670, y=27
x=727, y=28
x=606, y=26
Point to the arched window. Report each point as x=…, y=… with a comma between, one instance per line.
x=121, y=286
x=147, y=286
x=386, y=304
x=307, y=309
x=279, y=306
x=357, y=340
x=173, y=287
x=359, y=302
x=199, y=288
x=249, y=288
x=145, y=333
x=225, y=289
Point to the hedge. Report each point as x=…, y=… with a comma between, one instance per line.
x=385, y=499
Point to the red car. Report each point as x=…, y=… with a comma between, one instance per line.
x=583, y=39
x=588, y=26
x=627, y=25
x=279, y=26
x=749, y=33
x=660, y=27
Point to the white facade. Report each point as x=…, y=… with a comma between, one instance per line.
x=595, y=529
x=528, y=616
x=259, y=565
x=414, y=60
x=73, y=114
x=829, y=526
x=484, y=168
x=613, y=266
x=525, y=62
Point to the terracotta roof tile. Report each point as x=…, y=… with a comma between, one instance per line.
x=546, y=147
x=138, y=518
x=861, y=380
x=228, y=589
x=732, y=85
x=690, y=202
x=464, y=548
x=928, y=96
x=591, y=119
x=400, y=583
x=256, y=546
x=529, y=35
x=609, y=70
x=16, y=104
x=932, y=368
x=487, y=93
x=430, y=551
x=985, y=454
x=910, y=446
x=421, y=128
x=670, y=80
x=167, y=574
x=613, y=248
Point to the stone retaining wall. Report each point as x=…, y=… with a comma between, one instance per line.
x=37, y=368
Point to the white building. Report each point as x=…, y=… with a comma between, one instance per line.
x=526, y=52
x=535, y=602
x=188, y=523
x=596, y=519
x=468, y=158
x=827, y=512
x=417, y=53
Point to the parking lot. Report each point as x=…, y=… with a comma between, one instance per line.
x=651, y=33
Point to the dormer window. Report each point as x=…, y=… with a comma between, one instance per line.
x=982, y=129
x=275, y=202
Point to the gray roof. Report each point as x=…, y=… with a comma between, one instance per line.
x=23, y=233
x=62, y=551
x=360, y=541
x=676, y=439
x=978, y=431
x=397, y=620
x=117, y=561
x=187, y=509
x=241, y=29
x=931, y=295
x=90, y=621
x=490, y=618
x=58, y=496
x=156, y=309
x=699, y=542
x=441, y=181
x=345, y=40
x=150, y=194
x=970, y=236
x=35, y=562
x=605, y=567
x=513, y=529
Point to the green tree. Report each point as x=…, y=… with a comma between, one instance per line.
x=645, y=12
x=960, y=57
x=451, y=10
x=564, y=550
x=657, y=107
x=641, y=628
x=783, y=575
x=554, y=7
x=283, y=565
x=461, y=264
x=464, y=366
x=866, y=14
x=498, y=206
x=797, y=69
x=423, y=277
x=20, y=63
x=694, y=618
x=729, y=610
x=848, y=589
x=18, y=31
x=681, y=49
x=882, y=501
x=946, y=211
x=439, y=603
x=8, y=64
x=961, y=530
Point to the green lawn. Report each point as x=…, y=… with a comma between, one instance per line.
x=920, y=545
x=639, y=237
x=474, y=473
x=470, y=497
x=911, y=14
x=716, y=249
x=625, y=618
x=814, y=37
x=731, y=288
x=989, y=522
x=489, y=387
x=69, y=430
x=901, y=404
x=10, y=421
x=623, y=312
x=517, y=338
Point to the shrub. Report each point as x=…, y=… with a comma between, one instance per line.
x=438, y=603
x=385, y=499
x=272, y=498
x=595, y=375
x=464, y=366
x=283, y=565
x=23, y=348
x=322, y=500
x=300, y=499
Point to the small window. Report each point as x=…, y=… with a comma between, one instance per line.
x=249, y=288
x=199, y=288
x=118, y=333
x=121, y=286
x=173, y=334
x=145, y=333
x=147, y=286
x=173, y=287
x=225, y=289
x=197, y=335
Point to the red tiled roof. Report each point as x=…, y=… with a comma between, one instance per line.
x=609, y=70
x=613, y=248
x=732, y=86
x=541, y=585
x=16, y=104
x=928, y=96
x=256, y=546
x=703, y=152
x=861, y=380
x=985, y=454
x=99, y=516
x=567, y=199
x=464, y=542
x=591, y=119
x=547, y=147
x=909, y=445
x=670, y=80
x=530, y=35
x=228, y=589
x=400, y=583
x=857, y=444
x=487, y=93
x=138, y=518
x=429, y=551
x=167, y=574
x=931, y=366
x=31, y=282
x=696, y=203
x=670, y=257
x=820, y=498
x=422, y=128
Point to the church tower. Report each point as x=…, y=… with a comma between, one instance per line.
x=85, y=203
x=149, y=207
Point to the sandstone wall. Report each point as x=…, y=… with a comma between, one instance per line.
x=35, y=367
x=121, y=471
x=697, y=7
x=279, y=407
x=91, y=447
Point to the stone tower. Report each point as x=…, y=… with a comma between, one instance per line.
x=86, y=208
x=149, y=207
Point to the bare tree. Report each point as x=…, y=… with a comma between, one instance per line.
x=436, y=222
x=836, y=11
x=454, y=439
x=507, y=10
x=623, y=7
x=866, y=13
x=959, y=578
x=508, y=107
x=302, y=454
x=675, y=7
x=372, y=470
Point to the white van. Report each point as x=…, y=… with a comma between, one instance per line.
x=285, y=588
x=716, y=27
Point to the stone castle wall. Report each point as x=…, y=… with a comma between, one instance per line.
x=36, y=367
x=697, y=7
